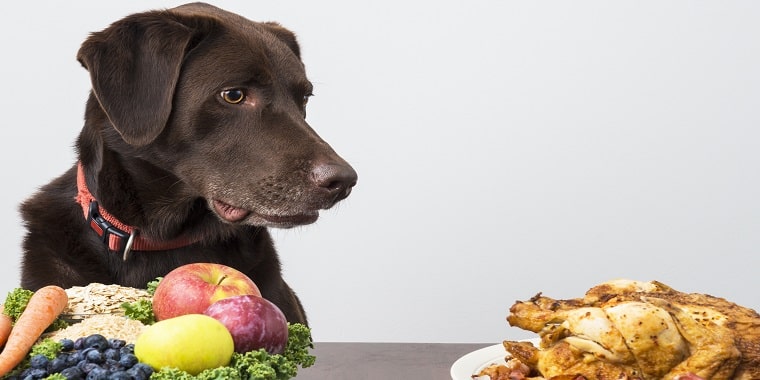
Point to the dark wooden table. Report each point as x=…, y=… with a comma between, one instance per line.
x=386, y=361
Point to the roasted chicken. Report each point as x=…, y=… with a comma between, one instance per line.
x=627, y=329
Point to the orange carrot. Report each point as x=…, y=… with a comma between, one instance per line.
x=6, y=323
x=42, y=310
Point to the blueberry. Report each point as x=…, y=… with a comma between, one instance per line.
x=73, y=373
x=97, y=373
x=96, y=341
x=78, y=356
x=66, y=344
x=73, y=358
x=124, y=351
x=140, y=371
x=82, y=354
x=94, y=356
x=86, y=366
x=39, y=361
x=116, y=343
x=128, y=360
x=57, y=365
x=128, y=349
x=112, y=354
x=119, y=375
x=111, y=363
x=136, y=374
x=79, y=344
x=38, y=373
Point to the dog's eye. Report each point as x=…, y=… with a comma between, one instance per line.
x=306, y=99
x=233, y=96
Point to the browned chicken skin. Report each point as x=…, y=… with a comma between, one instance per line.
x=626, y=329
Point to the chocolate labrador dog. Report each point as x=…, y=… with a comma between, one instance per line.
x=194, y=143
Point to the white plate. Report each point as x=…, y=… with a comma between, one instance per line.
x=474, y=362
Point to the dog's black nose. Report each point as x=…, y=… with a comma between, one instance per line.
x=336, y=179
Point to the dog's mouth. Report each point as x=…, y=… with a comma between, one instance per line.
x=233, y=214
x=229, y=212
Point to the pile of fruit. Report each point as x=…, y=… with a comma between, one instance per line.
x=203, y=321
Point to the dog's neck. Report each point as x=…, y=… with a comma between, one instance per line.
x=118, y=236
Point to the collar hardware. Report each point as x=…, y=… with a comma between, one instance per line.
x=108, y=232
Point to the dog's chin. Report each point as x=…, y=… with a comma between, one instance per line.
x=283, y=221
x=238, y=215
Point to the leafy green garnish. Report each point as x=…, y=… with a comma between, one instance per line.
x=151, y=288
x=169, y=373
x=220, y=373
x=140, y=310
x=16, y=301
x=47, y=347
x=299, y=343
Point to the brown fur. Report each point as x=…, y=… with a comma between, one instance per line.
x=160, y=145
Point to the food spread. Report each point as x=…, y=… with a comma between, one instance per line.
x=105, y=331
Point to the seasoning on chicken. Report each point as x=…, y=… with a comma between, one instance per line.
x=628, y=329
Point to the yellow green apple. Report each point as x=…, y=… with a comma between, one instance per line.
x=191, y=343
x=191, y=288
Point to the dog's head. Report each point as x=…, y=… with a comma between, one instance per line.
x=219, y=101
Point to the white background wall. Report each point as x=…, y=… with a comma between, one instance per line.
x=504, y=148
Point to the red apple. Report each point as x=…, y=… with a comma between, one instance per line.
x=191, y=288
x=253, y=321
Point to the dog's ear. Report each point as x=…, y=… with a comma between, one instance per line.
x=284, y=35
x=134, y=65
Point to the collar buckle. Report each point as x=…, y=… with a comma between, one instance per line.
x=116, y=239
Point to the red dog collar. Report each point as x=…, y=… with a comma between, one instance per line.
x=118, y=236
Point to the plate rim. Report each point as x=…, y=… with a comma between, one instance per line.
x=472, y=362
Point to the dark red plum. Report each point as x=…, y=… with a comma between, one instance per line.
x=253, y=322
